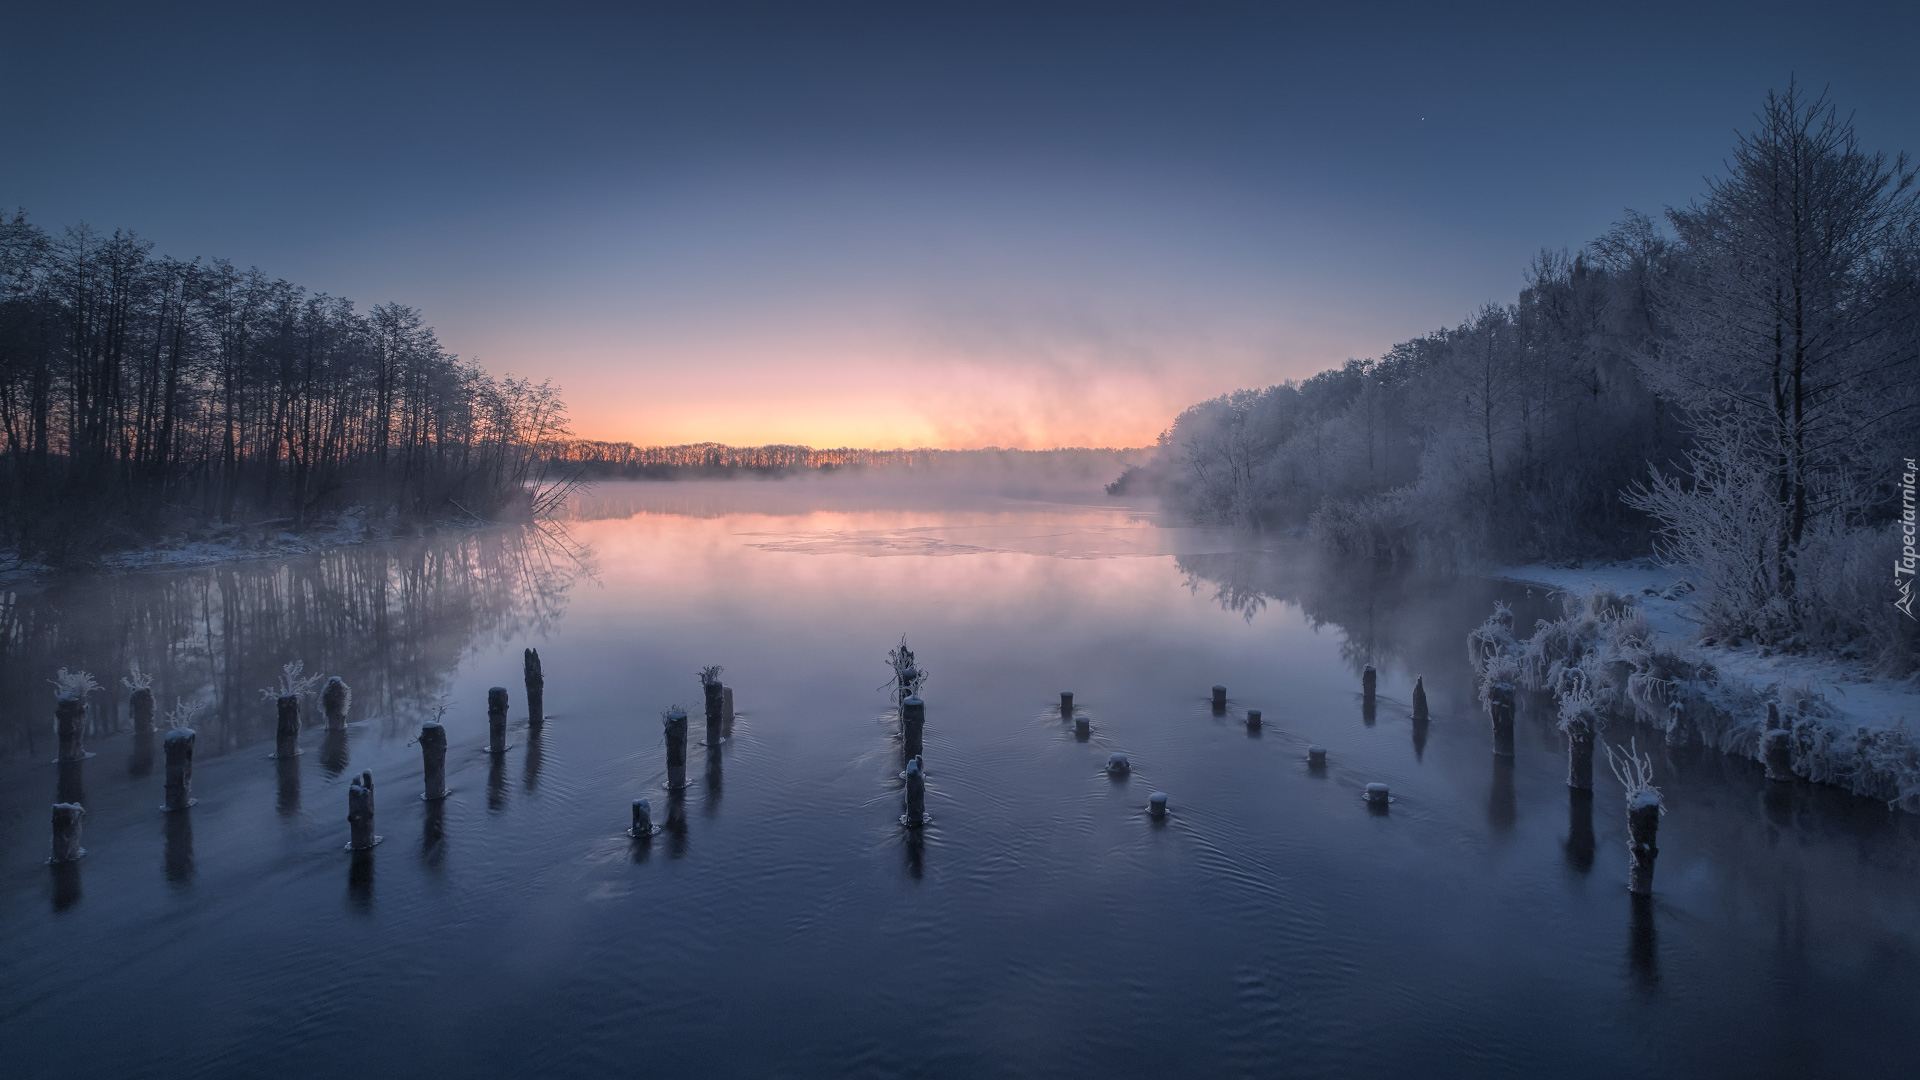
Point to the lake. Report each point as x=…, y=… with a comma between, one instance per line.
x=785, y=923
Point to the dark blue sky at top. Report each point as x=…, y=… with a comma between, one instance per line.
x=1202, y=195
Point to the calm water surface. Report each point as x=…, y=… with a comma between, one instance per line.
x=785, y=924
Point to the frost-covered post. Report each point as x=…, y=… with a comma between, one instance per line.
x=1118, y=765
x=334, y=702
x=1776, y=746
x=179, y=750
x=286, y=731
x=1369, y=683
x=1066, y=704
x=1644, y=810
x=1419, y=698
x=1498, y=696
x=433, y=759
x=360, y=813
x=140, y=701
x=913, y=722
x=67, y=817
x=1253, y=719
x=675, y=723
x=1580, y=720
x=710, y=687
x=916, y=795
x=1219, y=698
x=907, y=675
x=70, y=691
x=642, y=819
x=1157, y=804
x=536, y=688
x=497, y=720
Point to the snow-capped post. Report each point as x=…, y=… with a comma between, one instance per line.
x=710, y=687
x=286, y=730
x=1419, y=698
x=140, y=701
x=1369, y=682
x=675, y=722
x=1118, y=765
x=1157, y=804
x=360, y=814
x=1317, y=756
x=1644, y=810
x=1253, y=719
x=433, y=759
x=536, y=689
x=642, y=819
x=1378, y=794
x=1082, y=727
x=70, y=691
x=179, y=750
x=334, y=702
x=66, y=832
x=1219, y=699
x=916, y=815
x=497, y=720
x=913, y=721
x=1776, y=746
x=1066, y=704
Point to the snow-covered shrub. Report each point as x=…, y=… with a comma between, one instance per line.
x=72, y=685
x=1492, y=638
x=180, y=717
x=293, y=683
x=137, y=679
x=1635, y=773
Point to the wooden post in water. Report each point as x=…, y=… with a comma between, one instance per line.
x=497, y=720
x=1579, y=754
x=1643, y=828
x=140, y=704
x=1500, y=708
x=1369, y=682
x=67, y=817
x=433, y=759
x=1219, y=698
x=360, y=814
x=1157, y=804
x=715, y=709
x=286, y=731
x=1253, y=719
x=536, y=689
x=70, y=725
x=1118, y=765
x=675, y=723
x=916, y=815
x=913, y=722
x=1066, y=704
x=179, y=751
x=1419, y=698
x=334, y=701
x=642, y=819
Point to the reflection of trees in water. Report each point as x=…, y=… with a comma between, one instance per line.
x=1386, y=615
x=392, y=619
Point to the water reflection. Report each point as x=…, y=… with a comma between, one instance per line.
x=360, y=881
x=536, y=756
x=288, y=769
x=433, y=833
x=496, y=781
x=1502, y=807
x=1580, y=844
x=1643, y=945
x=1420, y=739
x=392, y=618
x=178, y=861
x=66, y=884
x=140, y=760
x=676, y=827
x=70, y=786
x=333, y=751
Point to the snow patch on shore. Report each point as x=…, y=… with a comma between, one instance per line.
x=1849, y=727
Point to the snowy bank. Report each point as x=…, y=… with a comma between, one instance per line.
x=1631, y=632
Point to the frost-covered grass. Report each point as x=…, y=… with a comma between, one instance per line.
x=1634, y=770
x=72, y=685
x=1629, y=648
x=180, y=717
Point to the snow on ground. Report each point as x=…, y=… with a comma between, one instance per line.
x=1849, y=701
x=230, y=542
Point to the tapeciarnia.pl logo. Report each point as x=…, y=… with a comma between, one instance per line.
x=1904, y=564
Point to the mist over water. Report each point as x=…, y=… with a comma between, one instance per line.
x=783, y=923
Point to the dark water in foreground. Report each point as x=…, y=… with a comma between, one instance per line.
x=786, y=925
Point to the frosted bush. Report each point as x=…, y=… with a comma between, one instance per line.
x=1635, y=773
x=72, y=685
x=137, y=679
x=293, y=682
x=710, y=675
x=181, y=715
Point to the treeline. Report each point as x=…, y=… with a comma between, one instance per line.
x=1737, y=396
x=140, y=393
x=627, y=461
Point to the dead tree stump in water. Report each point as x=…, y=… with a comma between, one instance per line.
x=433, y=760
x=334, y=701
x=497, y=720
x=1066, y=704
x=1253, y=719
x=1580, y=757
x=675, y=723
x=1643, y=827
x=913, y=722
x=179, y=751
x=360, y=813
x=1369, y=682
x=536, y=689
x=66, y=832
x=1419, y=698
x=642, y=819
x=715, y=710
x=286, y=729
x=1219, y=698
